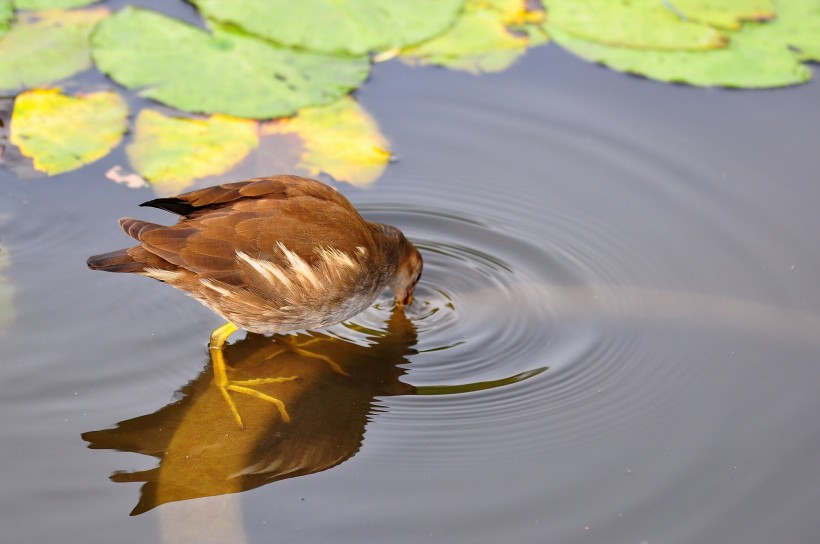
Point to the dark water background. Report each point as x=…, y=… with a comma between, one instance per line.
x=655, y=246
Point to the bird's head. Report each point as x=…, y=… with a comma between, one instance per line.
x=408, y=271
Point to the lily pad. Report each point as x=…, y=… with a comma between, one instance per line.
x=797, y=28
x=337, y=26
x=6, y=13
x=47, y=46
x=727, y=14
x=6, y=291
x=62, y=133
x=752, y=60
x=51, y=4
x=341, y=140
x=221, y=72
x=644, y=24
x=487, y=37
x=172, y=152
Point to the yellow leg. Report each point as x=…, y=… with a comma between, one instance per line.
x=218, y=339
x=221, y=334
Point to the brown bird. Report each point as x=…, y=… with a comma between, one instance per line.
x=270, y=255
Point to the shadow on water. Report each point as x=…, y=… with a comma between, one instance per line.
x=201, y=450
x=203, y=453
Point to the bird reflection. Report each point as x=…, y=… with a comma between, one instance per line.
x=202, y=452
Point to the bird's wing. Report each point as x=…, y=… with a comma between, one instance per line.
x=209, y=243
x=275, y=188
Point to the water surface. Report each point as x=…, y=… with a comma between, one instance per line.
x=615, y=339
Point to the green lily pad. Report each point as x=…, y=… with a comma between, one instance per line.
x=487, y=37
x=224, y=72
x=760, y=55
x=6, y=291
x=337, y=26
x=62, y=133
x=172, y=152
x=750, y=61
x=797, y=27
x=47, y=46
x=51, y=4
x=644, y=24
x=727, y=14
x=341, y=140
x=6, y=13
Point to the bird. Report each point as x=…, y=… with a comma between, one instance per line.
x=270, y=255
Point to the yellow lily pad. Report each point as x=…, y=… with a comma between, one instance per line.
x=642, y=24
x=47, y=46
x=485, y=38
x=341, y=140
x=61, y=132
x=172, y=152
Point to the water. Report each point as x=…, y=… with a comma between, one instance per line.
x=614, y=339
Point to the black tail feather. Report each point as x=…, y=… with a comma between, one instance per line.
x=171, y=204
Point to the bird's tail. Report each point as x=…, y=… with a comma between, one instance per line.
x=125, y=260
x=115, y=261
x=135, y=228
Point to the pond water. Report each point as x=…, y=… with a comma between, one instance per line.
x=615, y=339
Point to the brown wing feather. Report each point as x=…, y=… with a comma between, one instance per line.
x=206, y=242
x=274, y=187
x=271, y=254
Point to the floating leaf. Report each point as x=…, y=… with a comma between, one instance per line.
x=6, y=291
x=797, y=27
x=10, y=156
x=481, y=39
x=224, y=72
x=645, y=24
x=750, y=61
x=171, y=152
x=337, y=26
x=724, y=13
x=340, y=140
x=51, y=4
x=63, y=133
x=6, y=13
x=47, y=46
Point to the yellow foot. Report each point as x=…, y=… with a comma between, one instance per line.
x=297, y=349
x=242, y=387
x=218, y=338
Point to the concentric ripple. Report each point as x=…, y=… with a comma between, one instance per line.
x=481, y=309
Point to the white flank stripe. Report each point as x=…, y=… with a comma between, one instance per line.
x=255, y=264
x=267, y=270
x=160, y=274
x=301, y=269
x=277, y=272
x=334, y=257
x=210, y=285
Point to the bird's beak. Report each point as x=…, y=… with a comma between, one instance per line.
x=406, y=301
